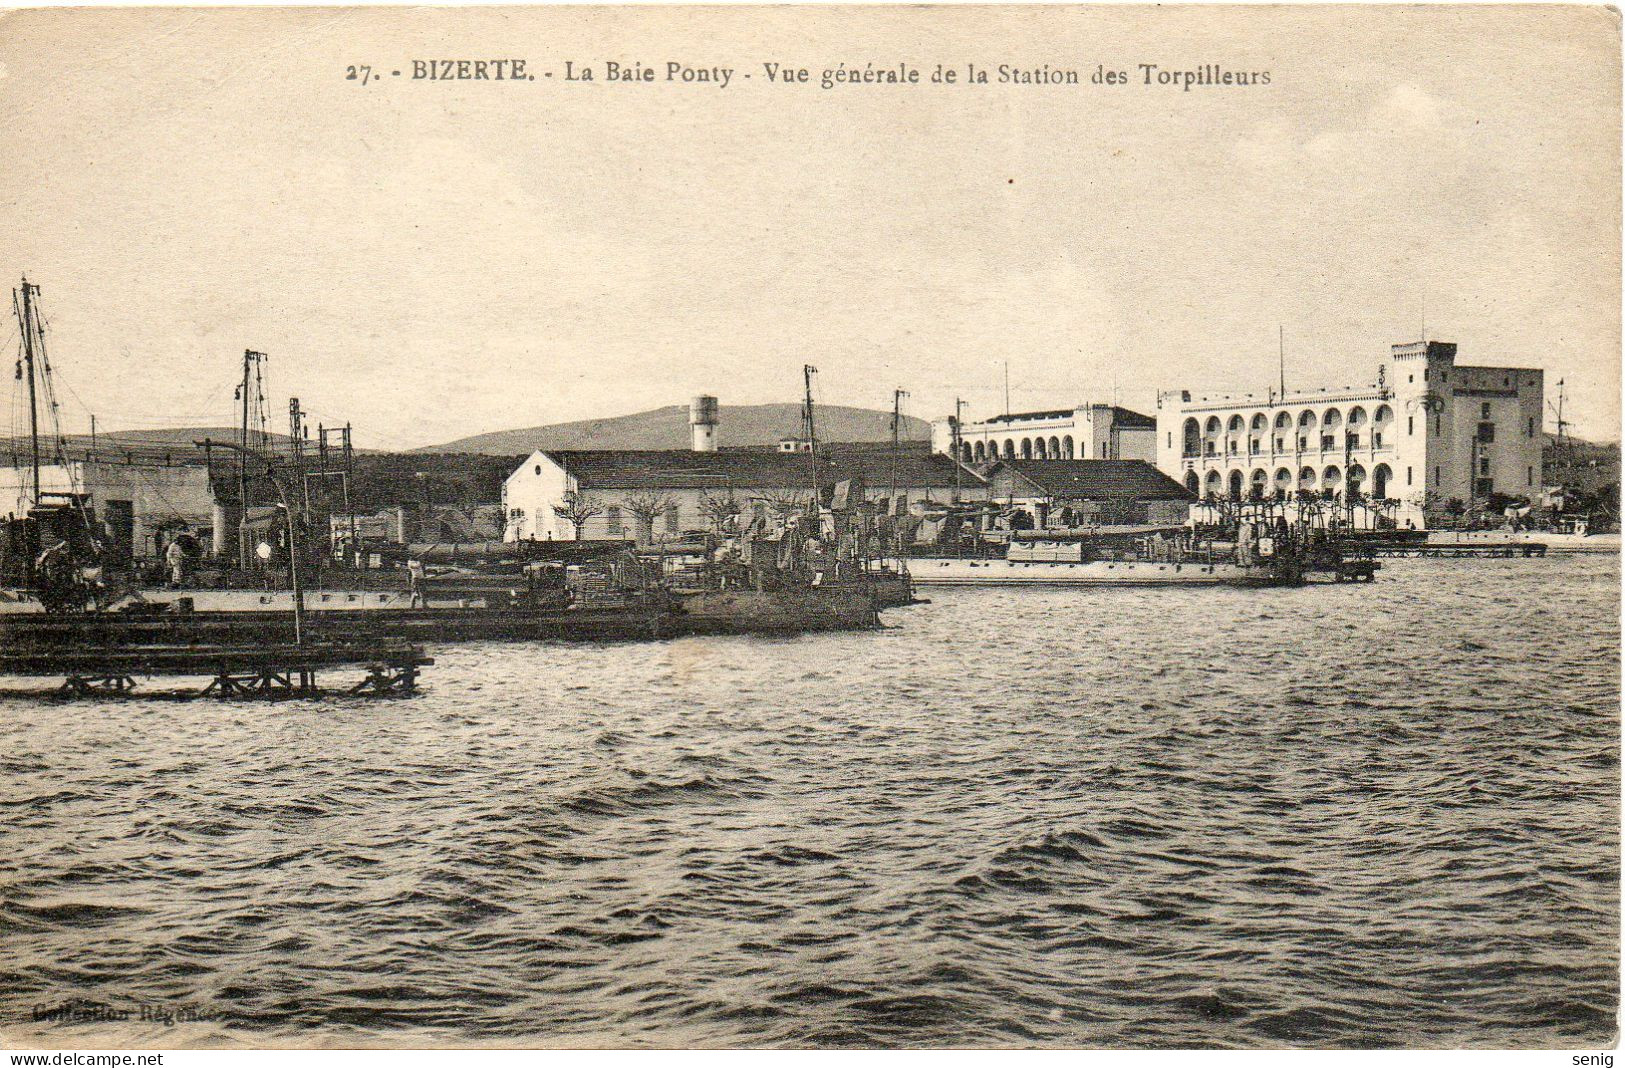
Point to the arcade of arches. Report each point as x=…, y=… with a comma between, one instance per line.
x=1030, y=447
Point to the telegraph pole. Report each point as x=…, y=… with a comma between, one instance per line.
x=296, y=434
x=1282, y=328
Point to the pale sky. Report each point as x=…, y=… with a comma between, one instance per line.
x=432, y=260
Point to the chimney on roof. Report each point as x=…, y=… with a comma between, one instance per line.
x=702, y=422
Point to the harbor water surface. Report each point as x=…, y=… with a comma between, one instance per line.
x=1383, y=814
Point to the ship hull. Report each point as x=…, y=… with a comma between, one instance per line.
x=967, y=572
x=722, y=612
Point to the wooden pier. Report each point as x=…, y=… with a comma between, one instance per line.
x=1456, y=550
x=234, y=671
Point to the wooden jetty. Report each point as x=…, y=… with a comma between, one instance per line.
x=234, y=671
x=1454, y=550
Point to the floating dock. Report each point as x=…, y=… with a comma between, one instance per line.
x=1454, y=550
x=234, y=671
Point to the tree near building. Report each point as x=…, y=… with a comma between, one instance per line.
x=720, y=508
x=576, y=509
x=645, y=508
x=1384, y=509
x=786, y=502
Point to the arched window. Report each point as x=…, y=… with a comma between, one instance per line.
x=1193, y=438
x=965, y=451
x=1026, y=448
x=1306, y=478
x=1283, y=479
x=1066, y=442
x=1306, y=421
x=1382, y=426
x=1332, y=419
x=1193, y=483
x=1356, y=417
x=1054, y=448
x=1260, y=421
x=1236, y=482
x=979, y=453
x=1215, y=484
x=1213, y=426
x=1283, y=421
x=1356, y=478
x=1331, y=480
x=1009, y=448
x=1236, y=424
x=1379, y=481
x=1260, y=484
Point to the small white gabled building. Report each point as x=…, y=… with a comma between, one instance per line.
x=619, y=483
x=638, y=494
x=643, y=493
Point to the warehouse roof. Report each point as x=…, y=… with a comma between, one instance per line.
x=655, y=469
x=1095, y=479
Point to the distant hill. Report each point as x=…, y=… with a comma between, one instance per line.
x=178, y=442
x=667, y=428
x=173, y=436
x=1582, y=443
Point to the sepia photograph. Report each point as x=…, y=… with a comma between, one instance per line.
x=810, y=527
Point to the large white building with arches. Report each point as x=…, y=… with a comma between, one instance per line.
x=1429, y=435
x=1087, y=432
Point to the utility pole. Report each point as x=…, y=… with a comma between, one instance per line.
x=23, y=303
x=1348, y=480
x=349, y=509
x=1006, y=388
x=1282, y=328
x=959, y=406
x=296, y=436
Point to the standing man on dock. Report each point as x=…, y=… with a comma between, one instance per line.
x=175, y=560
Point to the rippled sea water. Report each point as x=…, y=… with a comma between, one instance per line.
x=1336, y=816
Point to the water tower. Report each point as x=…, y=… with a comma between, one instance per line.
x=702, y=421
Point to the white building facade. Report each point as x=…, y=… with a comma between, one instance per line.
x=1087, y=432
x=1429, y=437
x=644, y=494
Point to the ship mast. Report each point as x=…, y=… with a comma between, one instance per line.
x=809, y=431
x=22, y=302
x=251, y=362
x=896, y=429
